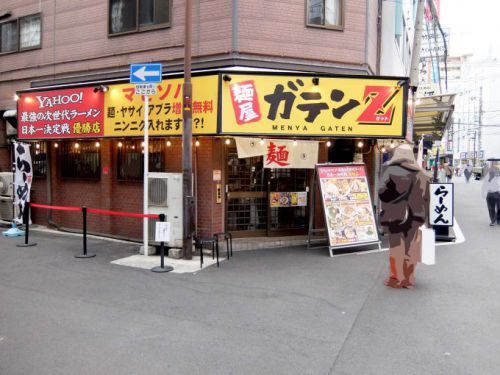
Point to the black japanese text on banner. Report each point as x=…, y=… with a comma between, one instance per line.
x=23, y=175
x=441, y=204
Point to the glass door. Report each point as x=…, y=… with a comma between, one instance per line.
x=288, y=197
x=265, y=202
x=247, y=202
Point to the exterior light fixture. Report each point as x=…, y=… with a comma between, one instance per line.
x=261, y=141
x=97, y=144
x=142, y=144
x=315, y=81
x=295, y=142
x=120, y=145
x=328, y=143
x=169, y=143
x=5, y=14
x=37, y=146
x=16, y=97
x=197, y=143
x=101, y=88
x=228, y=141
x=77, y=145
x=360, y=144
x=227, y=78
x=56, y=145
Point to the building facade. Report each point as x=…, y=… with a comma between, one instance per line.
x=53, y=49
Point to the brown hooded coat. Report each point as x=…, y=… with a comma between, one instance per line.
x=404, y=196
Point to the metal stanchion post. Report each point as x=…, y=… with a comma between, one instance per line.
x=26, y=219
x=162, y=267
x=84, y=255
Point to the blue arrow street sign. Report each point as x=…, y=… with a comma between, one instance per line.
x=145, y=73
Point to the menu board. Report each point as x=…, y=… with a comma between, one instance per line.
x=288, y=199
x=347, y=205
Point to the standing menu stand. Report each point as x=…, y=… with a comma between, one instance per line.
x=347, y=206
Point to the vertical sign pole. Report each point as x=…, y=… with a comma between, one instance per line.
x=146, y=168
x=187, y=137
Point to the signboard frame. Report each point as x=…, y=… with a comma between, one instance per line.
x=449, y=199
x=369, y=201
x=226, y=127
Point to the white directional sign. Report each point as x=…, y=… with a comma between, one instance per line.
x=145, y=73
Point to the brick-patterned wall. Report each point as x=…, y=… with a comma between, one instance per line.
x=75, y=39
x=110, y=194
x=265, y=28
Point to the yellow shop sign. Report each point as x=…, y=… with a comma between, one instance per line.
x=124, y=111
x=320, y=106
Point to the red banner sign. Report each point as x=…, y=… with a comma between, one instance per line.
x=72, y=113
x=245, y=102
x=342, y=171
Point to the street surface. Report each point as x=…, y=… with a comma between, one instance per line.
x=281, y=311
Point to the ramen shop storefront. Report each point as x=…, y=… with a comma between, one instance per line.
x=283, y=125
x=256, y=140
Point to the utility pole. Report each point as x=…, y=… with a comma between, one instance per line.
x=417, y=42
x=187, y=138
x=480, y=121
x=475, y=155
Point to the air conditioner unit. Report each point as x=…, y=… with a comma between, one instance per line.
x=6, y=208
x=6, y=179
x=165, y=197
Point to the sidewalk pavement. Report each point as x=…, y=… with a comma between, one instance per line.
x=277, y=311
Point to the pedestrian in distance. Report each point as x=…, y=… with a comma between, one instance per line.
x=404, y=195
x=491, y=191
x=467, y=173
x=448, y=171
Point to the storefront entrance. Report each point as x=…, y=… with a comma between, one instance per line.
x=265, y=202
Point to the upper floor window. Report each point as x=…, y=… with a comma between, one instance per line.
x=21, y=34
x=325, y=13
x=127, y=16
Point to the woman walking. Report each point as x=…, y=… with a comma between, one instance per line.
x=491, y=191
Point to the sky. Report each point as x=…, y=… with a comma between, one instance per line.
x=474, y=27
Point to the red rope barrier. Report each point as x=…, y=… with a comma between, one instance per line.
x=117, y=213
x=95, y=210
x=60, y=208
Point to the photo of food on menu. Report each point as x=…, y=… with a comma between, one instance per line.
x=348, y=211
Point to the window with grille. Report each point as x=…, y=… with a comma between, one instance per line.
x=21, y=34
x=39, y=159
x=325, y=13
x=80, y=159
x=130, y=158
x=128, y=16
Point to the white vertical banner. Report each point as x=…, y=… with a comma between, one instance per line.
x=280, y=153
x=23, y=175
x=441, y=204
x=420, y=154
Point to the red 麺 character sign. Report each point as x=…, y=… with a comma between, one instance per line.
x=278, y=155
x=245, y=102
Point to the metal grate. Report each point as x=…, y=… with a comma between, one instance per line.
x=157, y=191
x=247, y=214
